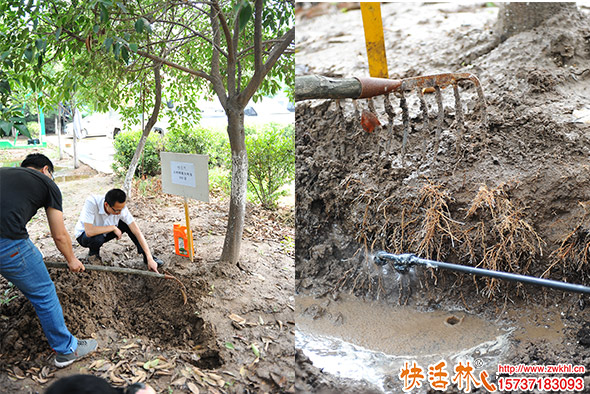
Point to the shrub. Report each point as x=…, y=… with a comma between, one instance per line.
x=220, y=180
x=34, y=128
x=271, y=162
x=125, y=145
x=200, y=141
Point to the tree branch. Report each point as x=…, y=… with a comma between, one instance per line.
x=195, y=34
x=215, y=67
x=218, y=14
x=259, y=74
x=258, y=35
x=157, y=59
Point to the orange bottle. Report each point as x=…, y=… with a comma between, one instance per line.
x=180, y=240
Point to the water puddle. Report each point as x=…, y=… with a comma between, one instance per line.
x=371, y=341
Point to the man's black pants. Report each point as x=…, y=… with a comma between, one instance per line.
x=96, y=242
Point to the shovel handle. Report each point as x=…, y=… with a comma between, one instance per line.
x=123, y=270
x=320, y=87
x=104, y=268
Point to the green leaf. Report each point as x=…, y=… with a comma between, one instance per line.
x=133, y=48
x=107, y=44
x=121, y=6
x=4, y=55
x=255, y=350
x=244, y=15
x=5, y=126
x=127, y=36
x=22, y=129
x=57, y=33
x=104, y=14
x=40, y=44
x=4, y=87
x=125, y=54
x=151, y=364
x=116, y=50
x=139, y=25
x=147, y=26
x=230, y=346
x=95, y=29
x=29, y=53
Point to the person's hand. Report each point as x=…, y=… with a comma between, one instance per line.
x=76, y=265
x=118, y=233
x=152, y=265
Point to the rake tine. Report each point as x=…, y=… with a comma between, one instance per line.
x=357, y=114
x=406, y=122
x=372, y=110
x=390, y=115
x=439, y=121
x=459, y=116
x=371, y=105
x=341, y=113
x=484, y=113
x=424, y=107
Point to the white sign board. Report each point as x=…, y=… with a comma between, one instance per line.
x=185, y=175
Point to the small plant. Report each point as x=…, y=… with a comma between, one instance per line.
x=5, y=298
x=288, y=245
x=148, y=186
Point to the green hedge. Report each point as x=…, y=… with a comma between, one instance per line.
x=271, y=162
x=200, y=141
x=125, y=145
x=271, y=156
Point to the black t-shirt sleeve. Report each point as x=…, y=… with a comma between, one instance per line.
x=53, y=197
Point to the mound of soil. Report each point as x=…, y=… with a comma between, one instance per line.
x=511, y=194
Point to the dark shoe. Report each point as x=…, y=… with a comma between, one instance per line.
x=158, y=261
x=85, y=347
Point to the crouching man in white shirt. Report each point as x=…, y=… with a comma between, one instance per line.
x=105, y=218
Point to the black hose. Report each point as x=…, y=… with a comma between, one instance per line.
x=404, y=261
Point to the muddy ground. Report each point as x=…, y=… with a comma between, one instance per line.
x=511, y=194
x=234, y=334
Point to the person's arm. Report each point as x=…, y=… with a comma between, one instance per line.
x=91, y=230
x=152, y=265
x=62, y=238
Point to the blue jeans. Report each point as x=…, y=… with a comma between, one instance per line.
x=22, y=264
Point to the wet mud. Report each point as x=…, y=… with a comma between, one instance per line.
x=511, y=194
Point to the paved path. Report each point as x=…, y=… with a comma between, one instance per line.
x=96, y=152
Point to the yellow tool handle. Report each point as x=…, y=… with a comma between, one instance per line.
x=374, y=39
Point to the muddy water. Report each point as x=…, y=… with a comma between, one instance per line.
x=366, y=340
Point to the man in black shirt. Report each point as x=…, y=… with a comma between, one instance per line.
x=22, y=192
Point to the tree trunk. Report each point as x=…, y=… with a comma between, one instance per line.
x=239, y=182
x=146, y=131
x=517, y=17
